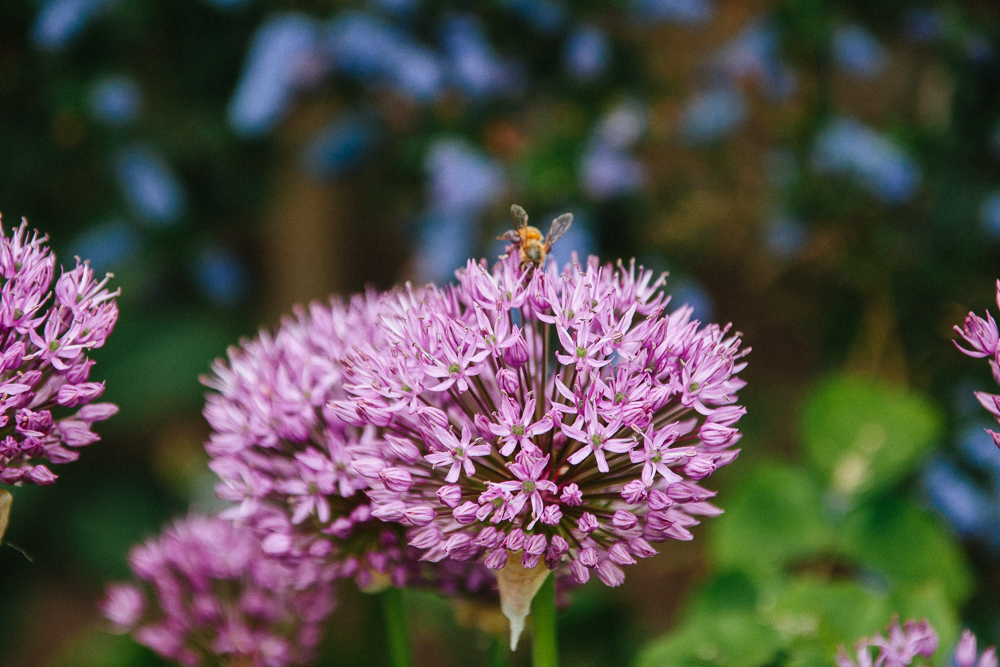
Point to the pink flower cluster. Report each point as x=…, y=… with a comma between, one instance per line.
x=549, y=417
x=984, y=342
x=286, y=457
x=216, y=593
x=903, y=644
x=46, y=400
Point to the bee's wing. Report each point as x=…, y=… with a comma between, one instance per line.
x=558, y=228
x=519, y=217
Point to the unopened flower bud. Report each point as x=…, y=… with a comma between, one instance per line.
x=418, y=516
x=496, y=559
x=466, y=512
x=587, y=523
x=619, y=554
x=396, y=479
x=624, y=520
x=507, y=381
x=610, y=574
x=451, y=495
x=515, y=539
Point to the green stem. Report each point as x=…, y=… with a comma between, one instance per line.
x=544, y=648
x=499, y=654
x=395, y=627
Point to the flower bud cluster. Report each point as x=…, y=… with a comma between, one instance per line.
x=216, y=593
x=556, y=418
x=904, y=643
x=46, y=398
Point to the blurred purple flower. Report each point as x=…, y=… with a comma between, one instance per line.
x=222, y=277
x=686, y=12
x=754, y=54
x=876, y=163
x=690, y=293
x=904, y=643
x=978, y=48
x=107, y=245
x=463, y=182
x=476, y=67
x=372, y=50
x=116, y=100
x=546, y=16
x=149, y=186
x=624, y=125
x=989, y=214
x=586, y=52
x=60, y=21
x=606, y=168
x=607, y=172
x=47, y=330
x=338, y=147
x=957, y=498
x=215, y=594
x=228, y=4
x=924, y=24
x=785, y=236
x=978, y=447
x=713, y=114
x=858, y=52
x=282, y=49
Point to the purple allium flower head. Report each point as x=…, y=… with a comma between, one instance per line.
x=298, y=471
x=904, y=643
x=984, y=341
x=47, y=326
x=588, y=448
x=214, y=592
x=287, y=458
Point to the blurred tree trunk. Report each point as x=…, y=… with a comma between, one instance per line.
x=306, y=225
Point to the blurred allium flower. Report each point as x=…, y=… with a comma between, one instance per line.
x=286, y=457
x=984, y=341
x=533, y=419
x=215, y=593
x=898, y=650
x=46, y=402
x=904, y=644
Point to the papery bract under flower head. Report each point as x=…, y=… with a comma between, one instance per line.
x=47, y=330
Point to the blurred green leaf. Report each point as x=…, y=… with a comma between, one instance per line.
x=909, y=546
x=102, y=527
x=734, y=640
x=99, y=648
x=774, y=517
x=933, y=603
x=153, y=367
x=864, y=436
x=829, y=612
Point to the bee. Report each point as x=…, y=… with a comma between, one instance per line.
x=528, y=239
